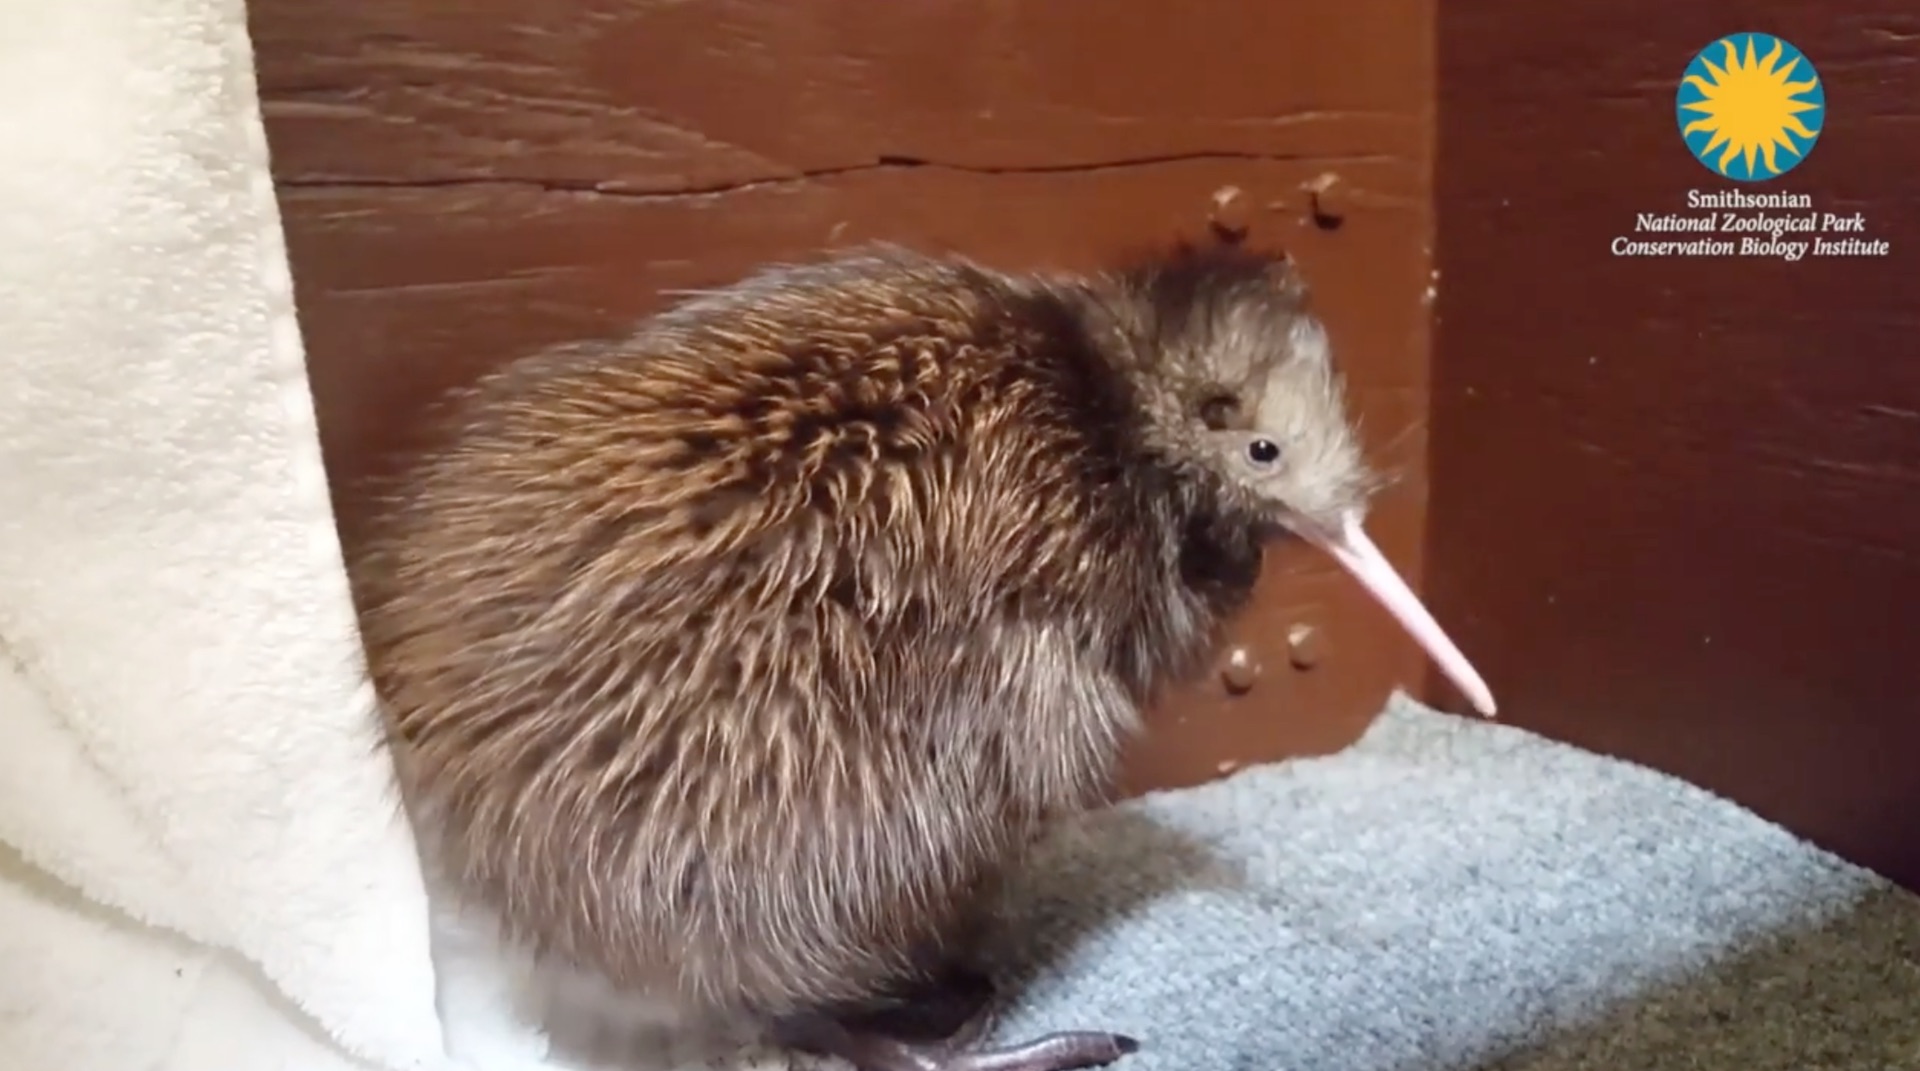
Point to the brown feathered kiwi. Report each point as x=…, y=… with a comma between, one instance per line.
x=736, y=660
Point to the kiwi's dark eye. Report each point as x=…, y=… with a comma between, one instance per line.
x=1218, y=411
x=1263, y=451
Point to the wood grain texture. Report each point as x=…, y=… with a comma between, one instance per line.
x=1677, y=514
x=463, y=182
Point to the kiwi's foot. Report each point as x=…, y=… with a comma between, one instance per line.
x=1075, y=1050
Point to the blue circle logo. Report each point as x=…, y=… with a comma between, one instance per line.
x=1750, y=107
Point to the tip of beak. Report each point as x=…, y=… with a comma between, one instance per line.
x=1484, y=706
x=1468, y=681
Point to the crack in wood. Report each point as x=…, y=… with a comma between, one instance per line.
x=885, y=162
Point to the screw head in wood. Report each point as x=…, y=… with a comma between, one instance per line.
x=1305, y=648
x=1327, y=200
x=1228, y=215
x=1240, y=671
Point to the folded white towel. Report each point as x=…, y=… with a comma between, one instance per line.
x=206, y=865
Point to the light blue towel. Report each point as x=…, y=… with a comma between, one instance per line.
x=1450, y=892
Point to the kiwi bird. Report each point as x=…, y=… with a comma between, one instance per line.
x=738, y=659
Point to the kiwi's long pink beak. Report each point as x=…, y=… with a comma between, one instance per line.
x=1350, y=546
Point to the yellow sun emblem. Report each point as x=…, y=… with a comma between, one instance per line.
x=1753, y=115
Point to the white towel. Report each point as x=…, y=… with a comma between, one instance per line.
x=205, y=867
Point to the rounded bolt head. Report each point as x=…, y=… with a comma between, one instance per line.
x=1305, y=648
x=1240, y=671
x=1327, y=198
x=1228, y=215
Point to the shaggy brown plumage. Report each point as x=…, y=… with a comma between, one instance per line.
x=737, y=659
